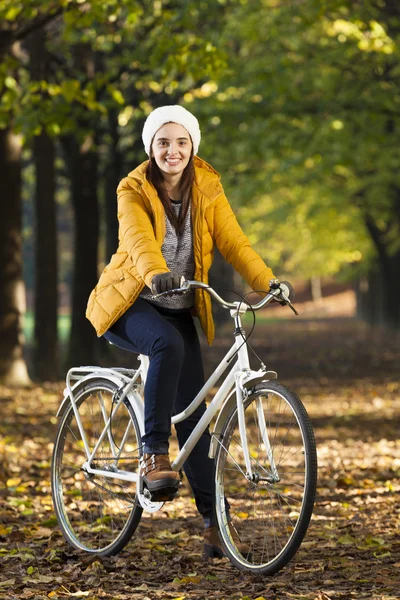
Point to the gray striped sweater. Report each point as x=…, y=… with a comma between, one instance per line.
x=178, y=253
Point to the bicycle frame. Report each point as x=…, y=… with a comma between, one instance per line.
x=239, y=378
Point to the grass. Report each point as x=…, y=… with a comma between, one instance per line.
x=64, y=322
x=248, y=318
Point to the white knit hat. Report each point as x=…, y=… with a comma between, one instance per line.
x=171, y=114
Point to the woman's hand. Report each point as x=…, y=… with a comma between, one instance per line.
x=163, y=282
x=285, y=287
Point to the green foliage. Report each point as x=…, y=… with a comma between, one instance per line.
x=97, y=53
x=103, y=57
x=303, y=126
x=14, y=14
x=298, y=103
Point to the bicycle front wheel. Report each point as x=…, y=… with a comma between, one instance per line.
x=97, y=514
x=271, y=510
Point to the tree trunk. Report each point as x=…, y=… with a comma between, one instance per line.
x=388, y=285
x=370, y=298
x=316, y=288
x=118, y=166
x=361, y=290
x=46, y=296
x=13, y=369
x=112, y=178
x=82, y=164
x=393, y=300
x=82, y=167
x=45, y=345
x=377, y=298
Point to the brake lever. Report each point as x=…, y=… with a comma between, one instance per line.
x=175, y=291
x=285, y=299
x=288, y=302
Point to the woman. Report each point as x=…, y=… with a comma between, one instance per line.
x=172, y=210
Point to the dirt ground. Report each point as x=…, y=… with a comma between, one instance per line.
x=347, y=376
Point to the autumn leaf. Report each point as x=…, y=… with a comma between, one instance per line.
x=41, y=532
x=346, y=540
x=375, y=541
x=7, y=583
x=351, y=546
x=4, y=531
x=187, y=579
x=141, y=588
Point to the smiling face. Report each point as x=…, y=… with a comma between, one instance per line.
x=171, y=149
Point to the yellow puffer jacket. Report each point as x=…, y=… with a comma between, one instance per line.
x=141, y=233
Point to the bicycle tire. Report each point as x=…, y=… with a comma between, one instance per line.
x=270, y=516
x=96, y=514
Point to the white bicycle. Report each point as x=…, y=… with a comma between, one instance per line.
x=262, y=442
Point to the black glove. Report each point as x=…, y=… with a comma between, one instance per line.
x=288, y=290
x=163, y=282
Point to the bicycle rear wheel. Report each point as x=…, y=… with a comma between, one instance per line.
x=270, y=512
x=97, y=514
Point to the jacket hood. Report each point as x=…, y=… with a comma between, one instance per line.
x=207, y=179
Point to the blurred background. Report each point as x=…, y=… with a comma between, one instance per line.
x=298, y=103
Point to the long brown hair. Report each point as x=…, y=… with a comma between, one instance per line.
x=155, y=177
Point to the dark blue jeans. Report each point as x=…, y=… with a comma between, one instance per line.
x=175, y=376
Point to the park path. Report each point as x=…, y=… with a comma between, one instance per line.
x=348, y=378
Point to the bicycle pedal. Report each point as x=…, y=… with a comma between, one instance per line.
x=147, y=494
x=162, y=495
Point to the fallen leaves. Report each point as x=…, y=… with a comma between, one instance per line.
x=41, y=532
x=351, y=550
x=7, y=583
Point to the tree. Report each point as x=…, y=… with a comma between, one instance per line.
x=155, y=61
x=308, y=135
x=19, y=99
x=46, y=279
x=16, y=24
x=95, y=51
x=12, y=297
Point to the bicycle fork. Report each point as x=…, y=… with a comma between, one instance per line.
x=261, y=474
x=242, y=423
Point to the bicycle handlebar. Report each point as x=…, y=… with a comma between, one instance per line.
x=275, y=293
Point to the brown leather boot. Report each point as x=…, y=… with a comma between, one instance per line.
x=158, y=476
x=213, y=547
